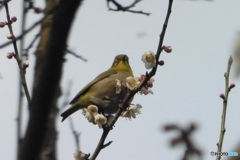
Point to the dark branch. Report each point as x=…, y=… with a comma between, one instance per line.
x=2, y=3
x=107, y=144
x=48, y=72
x=191, y=149
x=76, y=55
x=129, y=96
x=184, y=137
x=31, y=45
x=29, y=29
x=128, y=8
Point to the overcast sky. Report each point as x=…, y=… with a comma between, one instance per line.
x=186, y=89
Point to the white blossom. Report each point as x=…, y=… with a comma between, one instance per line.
x=100, y=119
x=92, y=109
x=92, y=115
x=149, y=59
x=132, y=111
x=145, y=91
x=10, y=36
x=78, y=155
x=132, y=83
x=88, y=115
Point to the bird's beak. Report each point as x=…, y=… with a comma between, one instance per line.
x=125, y=58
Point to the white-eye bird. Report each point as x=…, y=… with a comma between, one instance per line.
x=102, y=90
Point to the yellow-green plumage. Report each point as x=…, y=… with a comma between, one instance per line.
x=102, y=90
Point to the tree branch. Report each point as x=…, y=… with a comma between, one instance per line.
x=30, y=28
x=21, y=95
x=224, y=112
x=22, y=78
x=184, y=137
x=129, y=96
x=119, y=7
x=17, y=56
x=76, y=134
x=76, y=55
x=26, y=51
x=46, y=90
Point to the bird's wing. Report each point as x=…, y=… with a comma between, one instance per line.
x=97, y=79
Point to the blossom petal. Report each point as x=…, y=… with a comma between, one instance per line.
x=149, y=59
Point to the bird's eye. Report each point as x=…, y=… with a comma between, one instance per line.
x=116, y=62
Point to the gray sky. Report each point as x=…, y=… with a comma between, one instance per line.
x=186, y=88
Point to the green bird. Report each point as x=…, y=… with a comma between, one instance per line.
x=102, y=90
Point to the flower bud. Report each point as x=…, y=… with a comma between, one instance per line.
x=14, y=19
x=149, y=84
x=167, y=49
x=25, y=64
x=222, y=96
x=232, y=85
x=2, y=24
x=10, y=36
x=141, y=77
x=10, y=55
x=161, y=63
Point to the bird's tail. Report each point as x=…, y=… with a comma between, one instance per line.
x=69, y=111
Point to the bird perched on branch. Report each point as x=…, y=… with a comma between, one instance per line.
x=102, y=90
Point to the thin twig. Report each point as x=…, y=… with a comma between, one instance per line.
x=25, y=54
x=224, y=112
x=29, y=29
x=76, y=55
x=100, y=145
x=129, y=96
x=17, y=56
x=119, y=7
x=2, y=3
x=107, y=144
x=76, y=134
x=23, y=26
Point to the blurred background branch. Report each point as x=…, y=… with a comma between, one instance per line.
x=119, y=7
x=184, y=137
